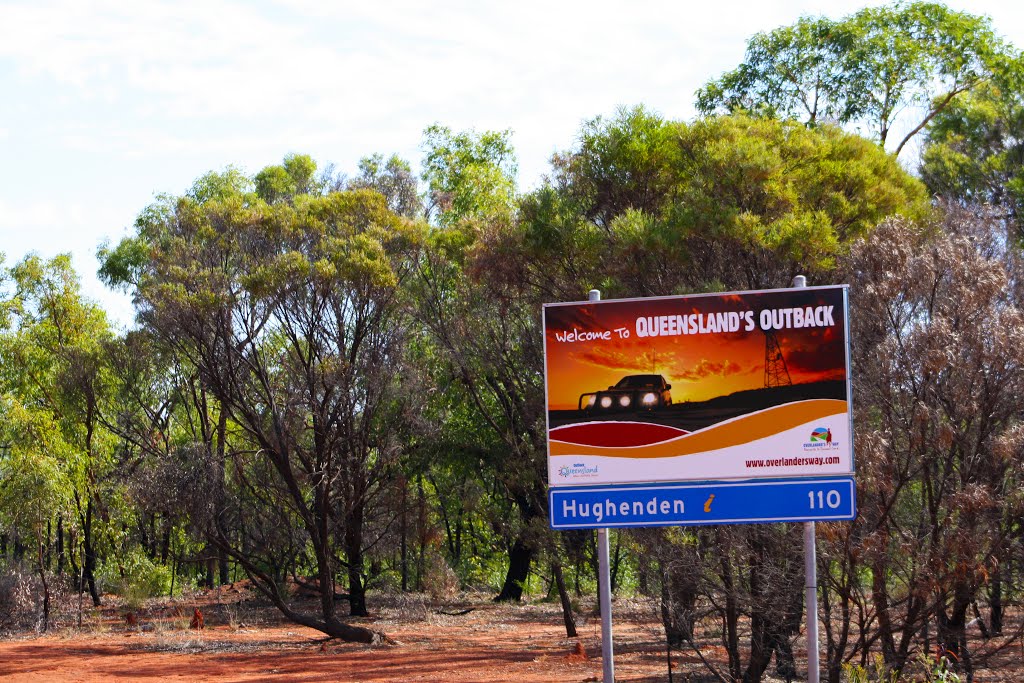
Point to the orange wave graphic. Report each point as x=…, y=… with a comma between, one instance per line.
x=739, y=431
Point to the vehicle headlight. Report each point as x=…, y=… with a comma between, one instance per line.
x=650, y=399
x=624, y=401
x=606, y=401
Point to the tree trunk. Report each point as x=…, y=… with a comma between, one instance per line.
x=616, y=563
x=836, y=648
x=165, y=543
x=563, y=597
x=995, y=602
x=405, y=537
x=354, y=556
x=519, y=557
x=786, y=630
x=421, y=522
x=46, y=588
x=211, y=567
x=678, y=600
x=952, y=629
x=731, y=616
x=880, y=598
x=89, y=559
x=60, y=546
x=219, y=473
x=760, y=628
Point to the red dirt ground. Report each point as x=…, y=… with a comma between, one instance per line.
x=491, y=644
x=246, y=641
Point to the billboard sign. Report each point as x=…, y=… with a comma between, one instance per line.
x=742, y=385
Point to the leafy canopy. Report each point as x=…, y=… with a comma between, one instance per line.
x=645, y=206
x=469, y=174
x=864, y=70
x=974, y=151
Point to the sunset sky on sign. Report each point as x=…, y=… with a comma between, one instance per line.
x=699, y=367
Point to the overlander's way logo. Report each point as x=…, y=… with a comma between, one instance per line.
x=821, y=438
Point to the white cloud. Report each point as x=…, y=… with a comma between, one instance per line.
x=107, y=102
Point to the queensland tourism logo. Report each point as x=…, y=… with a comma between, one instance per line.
x=577, y=470
x=821, y=439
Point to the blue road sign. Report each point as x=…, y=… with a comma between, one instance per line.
x=714, y=502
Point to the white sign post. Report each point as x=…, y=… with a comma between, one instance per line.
x=811, y=578
x=604, y=581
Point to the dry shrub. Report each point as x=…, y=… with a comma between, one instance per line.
x=439, y=580
x=21, y=598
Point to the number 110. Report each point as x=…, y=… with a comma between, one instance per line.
x=831, y=499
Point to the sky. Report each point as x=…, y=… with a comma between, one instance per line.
x=105, y=105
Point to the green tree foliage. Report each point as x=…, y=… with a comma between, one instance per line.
x=646, y=206
x=394, y=179
x=295, y=176
x=174, y=438
x=864, y=69
x=486, y=326
x=290, y=308
x=55, y=387
x=974, y=150
x=327, y=390
x=469, y=174
x=214, y=185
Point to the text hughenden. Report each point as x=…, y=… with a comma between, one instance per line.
x=711, y=323
x=601, y=510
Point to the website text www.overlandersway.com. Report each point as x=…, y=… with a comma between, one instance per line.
x=795, y=462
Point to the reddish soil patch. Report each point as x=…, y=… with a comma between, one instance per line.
x=491, y=644
x=244, y=640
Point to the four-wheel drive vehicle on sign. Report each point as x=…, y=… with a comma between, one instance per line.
x=632, y=392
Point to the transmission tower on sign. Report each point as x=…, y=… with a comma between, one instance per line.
x=776, y=374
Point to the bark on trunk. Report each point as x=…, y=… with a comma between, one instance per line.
x=563, y=597
x=46, y=589
x=354, y=555
x=60, y=546
x=678, y=600
x=89, y=561
x=731, y=616
x=222, y=555
x=519, y=557
x=760, y=639
x=995, y=603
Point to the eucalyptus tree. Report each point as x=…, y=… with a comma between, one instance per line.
x=174, y=439
x=394, y=179
x=291, y=308
x=486, y=325
x=649, y=206
x=34, y=485
x=865, y=70
x=470, y=175
x=974, y=149
x=53, y=374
